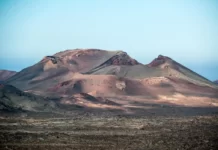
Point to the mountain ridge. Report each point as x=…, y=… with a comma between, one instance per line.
x=5, y=74
x=99, y=80
x=102, y=62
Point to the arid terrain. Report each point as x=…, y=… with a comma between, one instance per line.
x=98, y=99
x=5, y=74
x=123, y=133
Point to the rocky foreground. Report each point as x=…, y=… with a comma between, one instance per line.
x=119, y=133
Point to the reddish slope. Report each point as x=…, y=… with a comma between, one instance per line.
x=160, y=67
x=175, y=69
x=93, y=78
x=5, y=74
x=56, y=68
x=75, y=71
x=107, y=85
x=87, y=60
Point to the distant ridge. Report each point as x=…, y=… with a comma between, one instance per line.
x=5, y=74
x=86, y=70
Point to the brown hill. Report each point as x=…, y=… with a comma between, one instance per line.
x=5, y=74
x=137, y=97
x=114, y=74
x=177, y=70
x=59, y=67
x=160, y=67
x=52, y=69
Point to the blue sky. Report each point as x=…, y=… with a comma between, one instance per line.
x=185, y=30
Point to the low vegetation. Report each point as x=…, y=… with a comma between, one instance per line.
x=121, y=133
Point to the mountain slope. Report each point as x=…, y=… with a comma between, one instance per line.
x=82, y=71
x=5, y=74
x=175, y=69
x=52, y=69
x=12, y=99
x=93, y=80
x=108, y=94
x=160, y=67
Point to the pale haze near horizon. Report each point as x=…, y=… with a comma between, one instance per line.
x=185, y=30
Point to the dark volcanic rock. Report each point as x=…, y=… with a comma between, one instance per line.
x=122, y=59
x=12, y=99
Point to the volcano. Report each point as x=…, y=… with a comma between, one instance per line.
x=113, y=76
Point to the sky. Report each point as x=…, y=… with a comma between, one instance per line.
x=185, y=30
